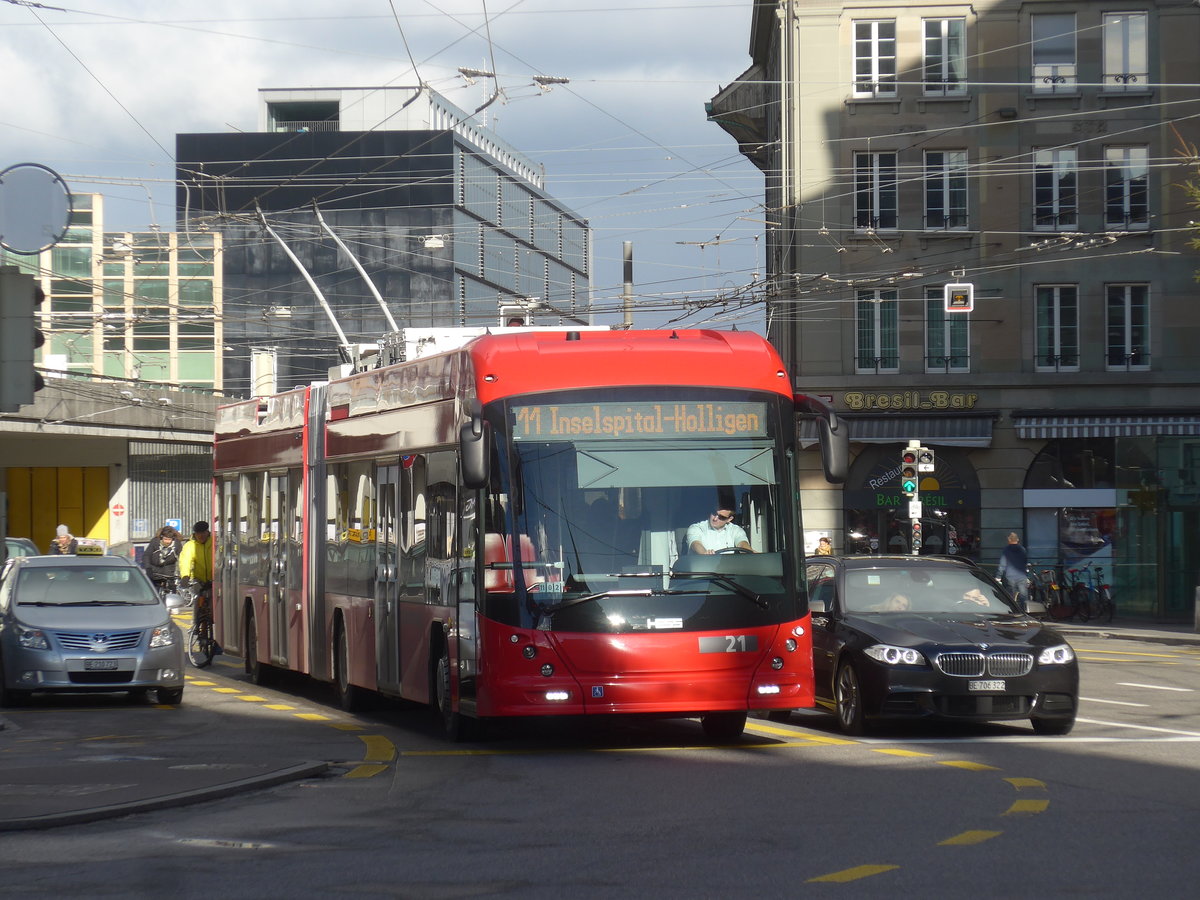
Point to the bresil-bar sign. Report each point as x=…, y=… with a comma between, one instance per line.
x=617, y=421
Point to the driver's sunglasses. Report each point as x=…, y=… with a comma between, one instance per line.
x=717, y=515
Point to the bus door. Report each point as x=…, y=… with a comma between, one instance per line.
x=226, y=578
x=387, y=621
x=278, y=606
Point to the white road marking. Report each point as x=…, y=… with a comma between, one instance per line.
x=1155, y=687
x=1141, y=727
x=1115, y=702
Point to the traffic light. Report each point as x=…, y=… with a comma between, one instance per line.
x=925, y=460
x=19, y=337
x=908, y=471
x=514, y=315
x=916, y=535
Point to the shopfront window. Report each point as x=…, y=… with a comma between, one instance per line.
x=876, y=511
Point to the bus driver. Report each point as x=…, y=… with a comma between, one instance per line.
x=717, y=533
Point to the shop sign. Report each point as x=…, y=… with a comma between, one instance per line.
x=909, y=400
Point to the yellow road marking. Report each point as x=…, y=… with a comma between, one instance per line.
x=379, y=748
x=854, y=874
x=821, y=739
x=1021, y=783
x=279, y=706
x=222, y=690
x=1022, y=807
x=969, y=837
x=365, y=771
x=250, y=698
x=312, y=717
x=191, y=680
x=968, y=765
x=895, y=751
x=341, y=726
x=1132, y=653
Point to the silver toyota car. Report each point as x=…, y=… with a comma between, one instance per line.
x=86, y=623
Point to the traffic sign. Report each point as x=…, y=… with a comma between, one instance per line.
x=959, y=297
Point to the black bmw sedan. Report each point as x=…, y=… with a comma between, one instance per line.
x=910, y=637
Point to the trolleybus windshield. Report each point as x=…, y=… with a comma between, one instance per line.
x=603, y=494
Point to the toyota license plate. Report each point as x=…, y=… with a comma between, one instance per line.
x=997, y=685
x=93, y=665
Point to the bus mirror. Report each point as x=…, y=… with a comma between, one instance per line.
x=835, y=448
x=833, y=435
x=475, y=453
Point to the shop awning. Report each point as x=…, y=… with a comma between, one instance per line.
x=945, y=431
x=1032, y=425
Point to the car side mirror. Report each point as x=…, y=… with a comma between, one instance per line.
x=174, y=601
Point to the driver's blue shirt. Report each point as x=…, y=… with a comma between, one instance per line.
x=716, y=538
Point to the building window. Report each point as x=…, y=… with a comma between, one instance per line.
x=945, y=189
x=875, y=58
x=1054, y=197
x=947, y=335
x=1128, y=327
x=878, y=339
x=1057, y=326
x=1126, y=194
x=874, y=191
x=1053, y=46
x=945, y=65
x=1126, y=60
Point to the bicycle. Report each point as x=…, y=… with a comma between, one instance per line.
x=1102, y=601
x=165, y=586
x=201, y=645
x=1060, y=603
x=1086, y=592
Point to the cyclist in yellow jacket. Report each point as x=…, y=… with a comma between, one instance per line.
x=196, y=557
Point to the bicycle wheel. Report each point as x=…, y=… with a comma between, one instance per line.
x=200, y=644
x=1080, y=597
x=1062, y=604
x=1106, y=605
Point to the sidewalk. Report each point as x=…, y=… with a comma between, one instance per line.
x=54, y=772
x=1182, y=633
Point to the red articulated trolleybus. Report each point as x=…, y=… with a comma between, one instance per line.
x=502, y=529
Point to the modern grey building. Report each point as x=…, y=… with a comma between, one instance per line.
x=1035, y=151
x=450, y=224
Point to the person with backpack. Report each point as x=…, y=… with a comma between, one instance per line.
x=161, y=559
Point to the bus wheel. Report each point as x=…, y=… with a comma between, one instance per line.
x=349, y=696
x=724, y=726
x=456, y=726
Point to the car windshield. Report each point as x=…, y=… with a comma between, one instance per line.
x=924, y=589
x=83, y=586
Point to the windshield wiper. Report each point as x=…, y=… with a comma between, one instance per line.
x=728, y=582
x=98, y=603
x=601, y=595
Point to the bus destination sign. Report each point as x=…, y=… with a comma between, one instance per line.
x=617, y=421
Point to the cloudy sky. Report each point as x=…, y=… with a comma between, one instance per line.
x=98, y=89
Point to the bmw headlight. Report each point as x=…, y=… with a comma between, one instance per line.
x=1056, y=656
x=31, y=638
x=161, y=637
x=895, y=656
